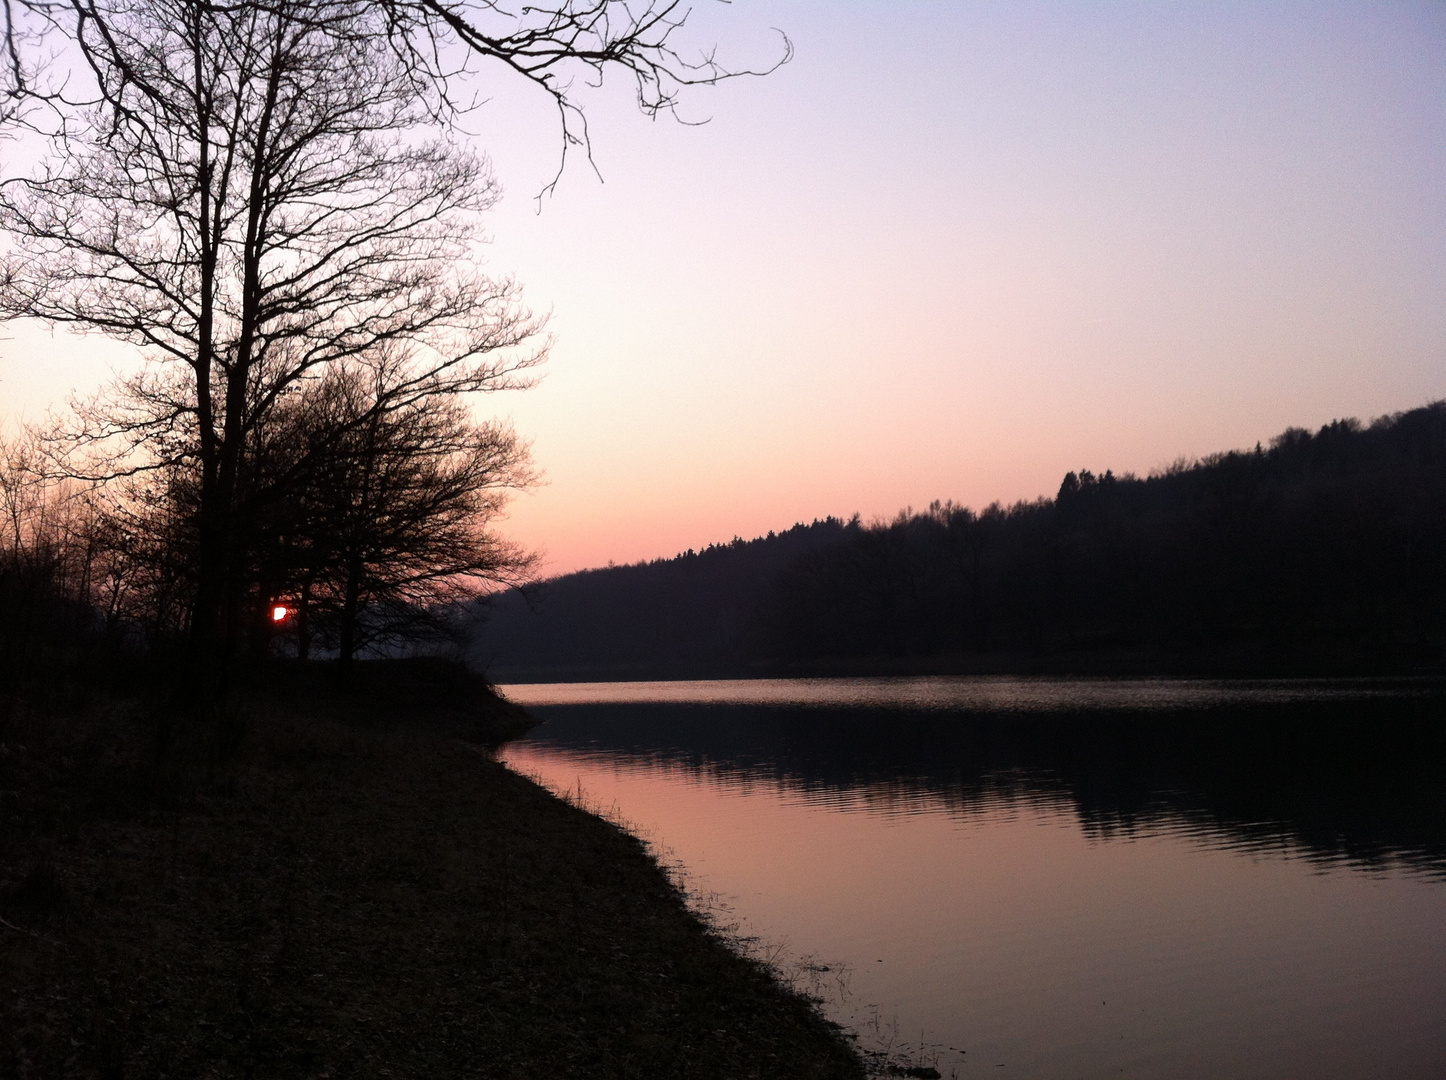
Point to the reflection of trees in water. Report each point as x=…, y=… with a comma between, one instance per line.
x=1335, y=782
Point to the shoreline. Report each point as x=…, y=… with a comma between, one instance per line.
x=293, y=890
x=1254, y=662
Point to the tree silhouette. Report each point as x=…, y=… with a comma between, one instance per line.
x=255, y=194
x=388, y=496
x=1321, y=553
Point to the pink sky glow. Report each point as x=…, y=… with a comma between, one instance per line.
x=952, y=251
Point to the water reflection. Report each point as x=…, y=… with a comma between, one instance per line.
x=1337, y=773
x=1067, y=880
x=1000, y=693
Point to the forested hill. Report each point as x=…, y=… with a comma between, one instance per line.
x=692, y=614
x=1321, y=552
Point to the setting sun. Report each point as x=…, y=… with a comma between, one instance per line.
x=278, y=613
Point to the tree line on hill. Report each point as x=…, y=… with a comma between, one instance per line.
x=1321, y=552
x=687, y=615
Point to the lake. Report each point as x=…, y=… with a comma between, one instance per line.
x=1053, y=878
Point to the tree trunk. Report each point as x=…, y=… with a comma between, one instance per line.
x=346, y=651
x=303, y=623
x=203, y=647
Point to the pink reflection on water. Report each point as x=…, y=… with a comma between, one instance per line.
x=1003, y=927
x=1003, y=693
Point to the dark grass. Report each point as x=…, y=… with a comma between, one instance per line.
x=280, y=892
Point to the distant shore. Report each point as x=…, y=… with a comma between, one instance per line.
x=309, y=886
x=1240, y=663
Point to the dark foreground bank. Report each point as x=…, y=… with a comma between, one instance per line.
x=284, y=892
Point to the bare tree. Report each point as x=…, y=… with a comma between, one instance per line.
x=387, y=521
x=548, y=45
x=16, y=77
x=53, y=553
x=257, y=193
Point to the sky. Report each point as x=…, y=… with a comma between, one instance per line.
x=951, y=251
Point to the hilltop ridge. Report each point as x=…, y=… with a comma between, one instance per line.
x=1320, y=552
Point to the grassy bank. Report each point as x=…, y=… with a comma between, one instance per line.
x=288, y=891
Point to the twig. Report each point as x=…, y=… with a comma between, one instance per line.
x=17, y=929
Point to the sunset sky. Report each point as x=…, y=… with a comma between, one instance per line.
x=951, y=251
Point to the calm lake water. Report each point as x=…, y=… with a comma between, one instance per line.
x=1056, y=878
